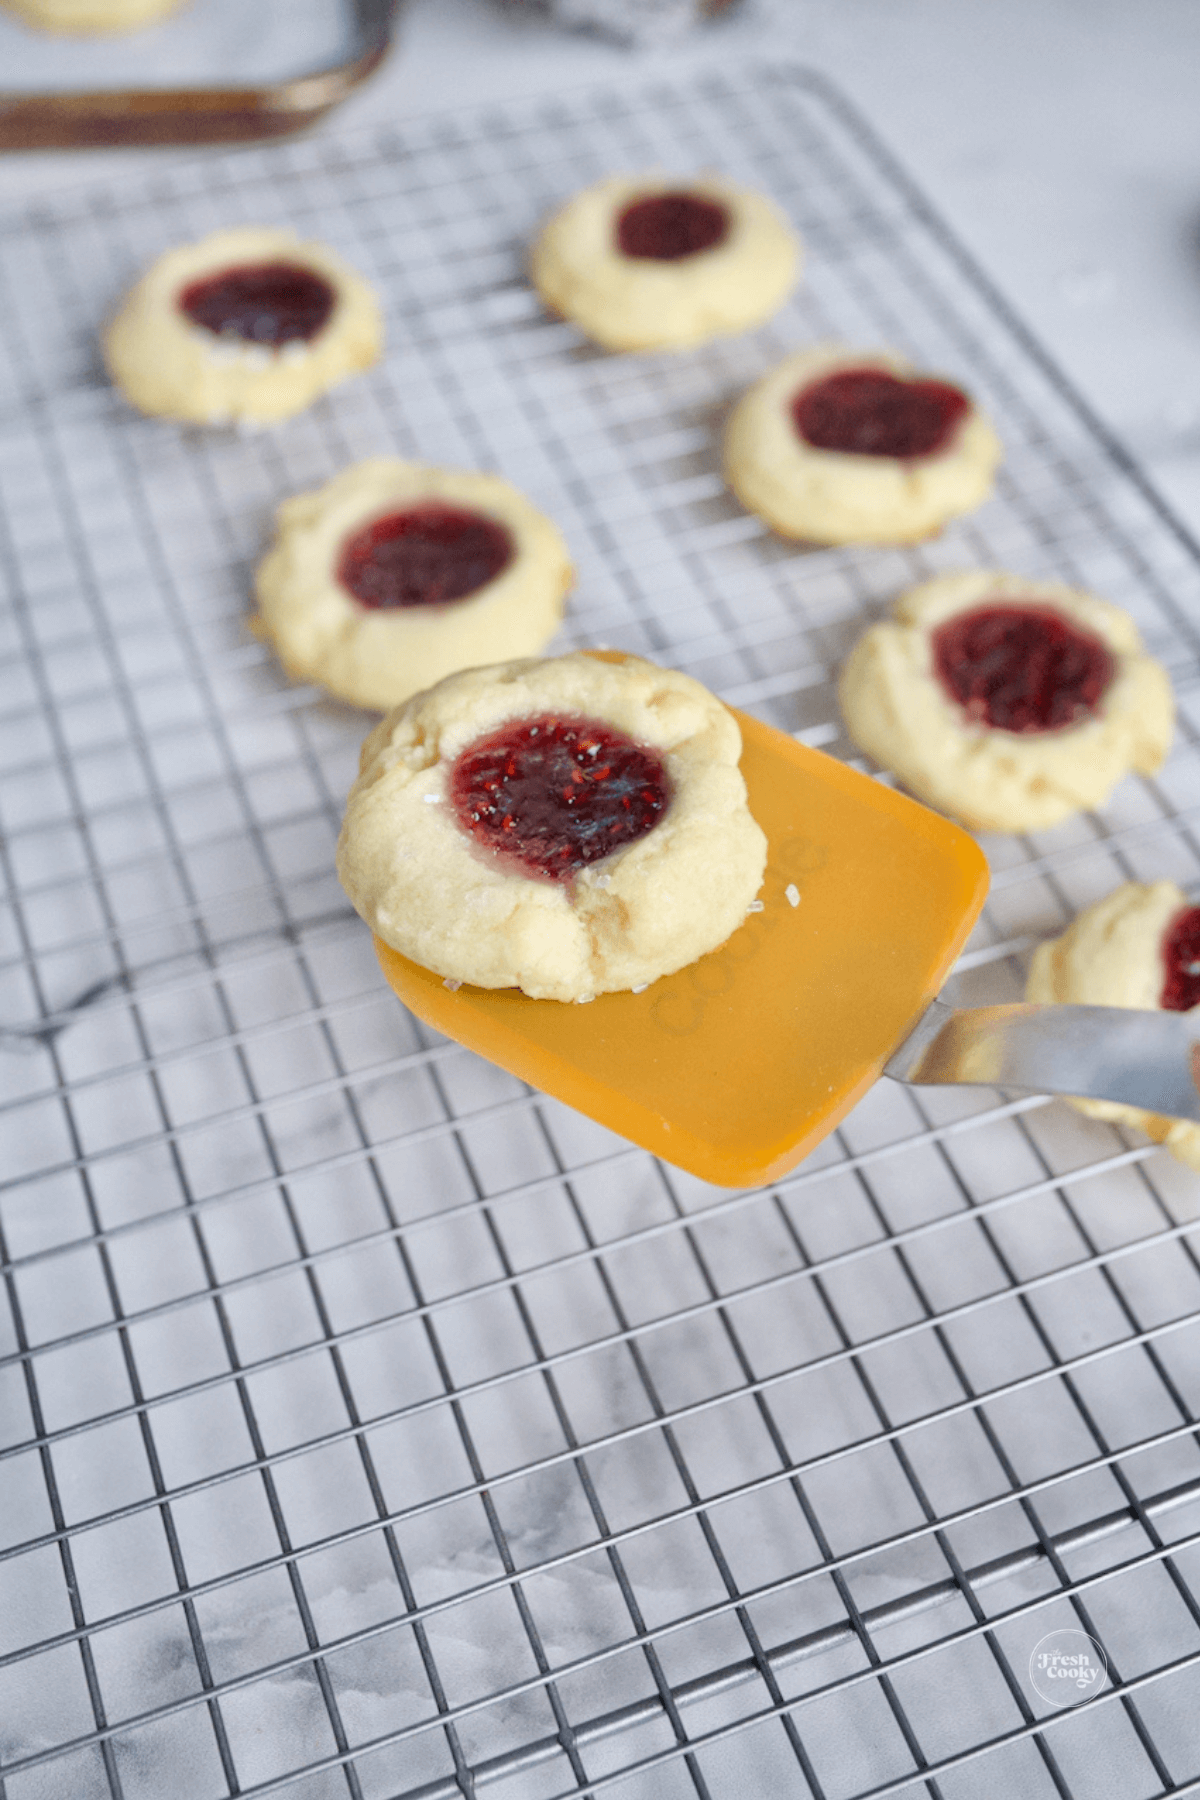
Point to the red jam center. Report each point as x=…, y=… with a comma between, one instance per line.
x=261, y=303
x=554, y=795
x=868, y=412
x=668, y=227
x=1020, y=668
x=1181, y=957
x=423, y=556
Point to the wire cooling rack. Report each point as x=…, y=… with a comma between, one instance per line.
x=372, y=1426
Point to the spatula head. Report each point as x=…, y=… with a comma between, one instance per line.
x=737, y=1065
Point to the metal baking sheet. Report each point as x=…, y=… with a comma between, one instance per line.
x=371, y=1425
x=215, y=71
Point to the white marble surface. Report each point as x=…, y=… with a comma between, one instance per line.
x=1058, y=136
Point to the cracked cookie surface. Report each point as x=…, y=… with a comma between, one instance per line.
x=360, y=612
x=435, y=889
x=864, y=493
x=186, y=344
x=898, y=709
x=657, y=262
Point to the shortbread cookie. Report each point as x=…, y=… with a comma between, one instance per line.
x=248, y=324
x=1139, y=946
x=87, y=16
x=395, y=574
x=842, y=446
x=653, y=262
x=567, y=827
x=1008, y=703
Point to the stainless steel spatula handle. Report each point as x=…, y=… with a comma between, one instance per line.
x=1146, y=1059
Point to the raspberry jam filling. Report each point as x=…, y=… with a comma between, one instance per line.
x=668, y=227
x=1021, y=668
x=1181, y=959
x=869, y=412
x=261, y=303
x=553, y=795
x=423, y=556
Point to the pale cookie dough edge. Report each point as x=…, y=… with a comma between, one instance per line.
x=168, y=367
x=626, y=304
x=895, y=710
x=1110, y=955
x=378, y=658
x=67, y=18
x=643, y=912
x=836, y=497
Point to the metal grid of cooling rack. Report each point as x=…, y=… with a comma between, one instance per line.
x=370, y=1425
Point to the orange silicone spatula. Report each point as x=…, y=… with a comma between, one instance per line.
x=737, y=1065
